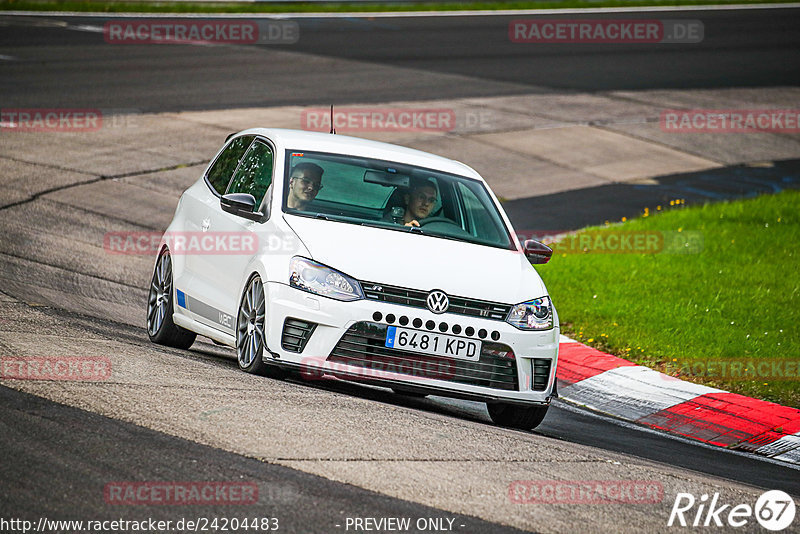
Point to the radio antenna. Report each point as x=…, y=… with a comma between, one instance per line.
x=333, y=130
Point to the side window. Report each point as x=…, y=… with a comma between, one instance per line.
x=254, y=175
x=220, y=173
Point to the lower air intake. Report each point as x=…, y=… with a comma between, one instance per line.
x=541, y=373
x=296, y=334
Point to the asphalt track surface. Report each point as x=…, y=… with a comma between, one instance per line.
x=589, y=206
x=67, y=68
x=101, y=450
x=343, y=60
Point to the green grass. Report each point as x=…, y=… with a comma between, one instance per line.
x=736, y=299
x=309, y=7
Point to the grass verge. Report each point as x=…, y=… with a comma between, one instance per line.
x=344, y=7
x=717, y=303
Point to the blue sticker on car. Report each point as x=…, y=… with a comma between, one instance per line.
x=181, y=298
x=390, y=336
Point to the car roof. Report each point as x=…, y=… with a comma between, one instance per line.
x=356, y=146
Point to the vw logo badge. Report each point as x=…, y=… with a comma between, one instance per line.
x=438, y=301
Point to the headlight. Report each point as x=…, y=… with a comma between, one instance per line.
x=536, y=314
x=314, y=277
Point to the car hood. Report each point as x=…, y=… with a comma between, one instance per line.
x=420, y=262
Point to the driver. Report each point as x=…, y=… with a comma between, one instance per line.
x=304, y=183
x=420, y=201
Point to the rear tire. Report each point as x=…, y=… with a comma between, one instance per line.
x=250, y=332
x=160, y=327
x=520, y=417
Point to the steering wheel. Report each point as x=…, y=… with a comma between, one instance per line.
x=443, y=226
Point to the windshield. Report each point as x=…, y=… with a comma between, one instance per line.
x=394, y=196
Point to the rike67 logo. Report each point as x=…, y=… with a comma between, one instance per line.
x=774, y=510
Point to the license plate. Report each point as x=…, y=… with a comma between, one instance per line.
x=432, y=343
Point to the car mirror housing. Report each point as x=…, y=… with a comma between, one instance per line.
x=537, y=252
x=241, y=204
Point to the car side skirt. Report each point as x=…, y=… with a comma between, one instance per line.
x=203, y=330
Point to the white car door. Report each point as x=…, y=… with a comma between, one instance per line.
x=220, y=273
x=198, y=205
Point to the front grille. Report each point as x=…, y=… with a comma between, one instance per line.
x=418, y=299
x=296, y=334
x=363, y=345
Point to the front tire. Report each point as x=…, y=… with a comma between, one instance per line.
x=160, y=327
x=519, y=417
x=250, y=328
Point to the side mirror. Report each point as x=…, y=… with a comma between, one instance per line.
x=241, y=204
x=536, y=252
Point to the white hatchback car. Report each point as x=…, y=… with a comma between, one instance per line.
x=341, y=257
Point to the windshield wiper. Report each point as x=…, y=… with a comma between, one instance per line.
x=323, y=216
x=376, y=224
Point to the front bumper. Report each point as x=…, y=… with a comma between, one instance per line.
x=344, y=339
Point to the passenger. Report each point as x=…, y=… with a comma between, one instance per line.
x=420, y=201
x=305, y=181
